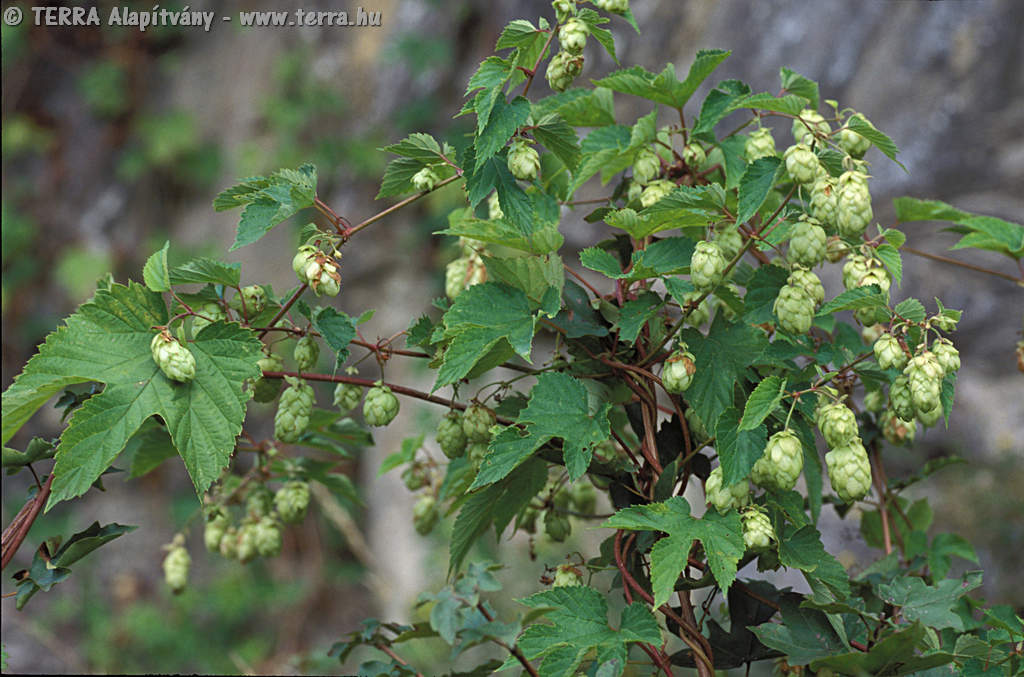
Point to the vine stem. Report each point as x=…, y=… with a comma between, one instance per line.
x=514, y=650
x=962, y=264
x=284, y=309
x=390, y=652
x=14, y=535
x=349, y=232
x=883, y=509
x=540, y=57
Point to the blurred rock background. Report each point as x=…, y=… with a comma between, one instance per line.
x=116, y=140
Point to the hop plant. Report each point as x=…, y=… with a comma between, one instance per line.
x=303, y=257
x=838, y=424
x=572, y=36
x=291, y=501
x=758, y=533
x=477, y=422
x=307, y=352
x=463, y=273
x=854, y=270
x=825, y=200
x=874, y=401
x=566, y=575
x=249, y=300
x=425, y=179
x=425, y=514
x=266, y=389
x=807, y=243
x=801, y=163
x=557, y=526
x=853, y=204
x=259, y=502
x=347, y=396
x=795, y=309
x=475, y=452
x=217, y=524
x=849, y=471
x=780, y=465
x=694, y=154
x=293, y=410
x=699, y=315
x=563, y=69
x=707, y=266
x=207, y=314
x=896, y=430
x=808, y=124
x=722, y=498
x=380, y=406
x=853, y=143
x=656, y=190
x=523, y=160
x=564, y=9
x=322, y=275
x=414, y=477
x=176, y=565
x=809, y=282
x=174, y=359
x=925, y=372
x=677, y=374
x=494, y=207
x=947, y=355
x=646, y=166
x=266, y=535
x=759, y=144
x=248, y=547
x=584, y=497
x=900, y=398
x=835, y=250
x=729, y=241
x=614, y=6
x=889, y=353
x=229, y=544
x=450, y=435
x=929, y=417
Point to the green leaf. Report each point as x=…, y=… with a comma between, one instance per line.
x=664, y=87
x=107, y=340
x=515, y=203
x=933, y=605
x=801, y=548
x=268, y=201
x=579, y=107
x=37, y=449
x=755, y=185
x=669, y=256
x=852, y=299
x=148, y=448
x=204, y=270
x=559, y=407
x=738, y=448
x=803, y=635
x=154, y=273
x=606, y=150
x=505, y=120
x=684, y=207
x=890, y=256
x=544, y=239
x=944, y=548
x=518, y=33
x=795, y=83
x=534, y=275
x=880, y=140
x=722, y=359
x=986, y=232
x=560, y=138
x=87, y=540
x=410, y=446
x=762, y=402
x=894, y=654
x=336, y=328
x=602, y=35
x=635, y=314
x=791, y=104
x=480, y=317
x=716, y=106
x=911, y=309
x=721, y=535
x=578, y=625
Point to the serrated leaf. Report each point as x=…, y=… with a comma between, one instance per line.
x=791, y=104
x=684, y=207
x=664, y=87
x=930, y=604
x=154, y=273
x=636, y=313
x=755, y=185
x=738, y=449
x=871, y=133
x=852, y=299
x=87, y=540
x=803, y=635
x=204, y=270
x=336, y=328
x=795, y=83
x=721, y=535
x=268, y=201
x=890, y=256
x=762, y=402
x=557, y=136
x=716, y=106
x=544, y=239
x=802, y=549
x=108, y=340
x=148, y=448
x=669, y=256
x=559, y=407
x=946, y=546
x=518, y=33
x=602, y=35
x=910, y=309
x=505, y=119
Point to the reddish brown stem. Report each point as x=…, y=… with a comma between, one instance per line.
x=15, y=534
x=962, y=264
x=284, y=309
x=349, y=232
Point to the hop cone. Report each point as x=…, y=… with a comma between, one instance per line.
x=896, y=430
x=809, y=122
x=477, y=422
x=759, y=144
x=758, y=532
x=425, y=515
x=853, y=204
x=849, y=471
x=646, y=167
x=217, y=524
x=947, y=355
x=809, y=282
x=307, y=352
x=250, y=300
x=566, y=575
x=266, y=535
x=901, y=400
x=694, y=154
x=380, y=406
x=795, y=309
x=174, y=359
x=925, y=372
x=208, y=314
x=557, y=526
x=176, y=565
x=781, y=463
x=707, y=266
x=725, y=498
x=824, y=200
x=450, y=436
x=572, y=36
x=677, y=374
x=523, y=160
x=291, y=501
x=293, y=410
x=807, y=243
x=838, y=424
x=801, y=163
x=563, y=69
x=889, y=353
x=729, y=240
x=347, y=396
x=266, y=389
x=853, y=143
x=425, y=179
x=656, y=190
x=247, y=549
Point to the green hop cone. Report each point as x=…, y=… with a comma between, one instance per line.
x=853, y=204
x=250, y=300
x=947, y=355
x=307, y=352
x=807, y=243
x=795, y=309
x=825, y=200
x=758, y=533
x=425, y=179
x=694, y=154
x=698, y=432
x=871, y=333
x=835, y=249
x=925, y=372
x=380, y=405
x=901, y=400
x=677, y=374
x=801, y=163
x=414, y=478
x=896, y=430
x=930, y=417
x=528, y=520
x=809, y=123
x=425, y=514
x=656, y=190
x=176, y=565
x=477, y=422
x=613, y=6
x=267, y=537
x=699, y=315
x=523, y=160
x=564, y=9
x=322, y=275
x=874, y=401
x=853, y=143
x=889, y=353
x=566, y=575
x=291, y=501
x=780, y=465
x=563, y=69
x=849, y=471
x=455, y=276
x=293, y=410
x=759, y=144
x=229, y=544
x=347, y=396
x=303, y=257
x=646, y=166
x=450, y=435
x=557, y=526
x=494, y=207
x=247, y=548
x=707, y=266
x=259, y=502
x=174, y=359
x=809, y=282
x=838, y=424
x=722, y=498
x=208, y=313
x=584, y=497
x=854, y=270
x=572, y=36
x=217, y=524
x=729, y=240
x=475, y=452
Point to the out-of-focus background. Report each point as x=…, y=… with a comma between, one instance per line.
x=115, y=140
